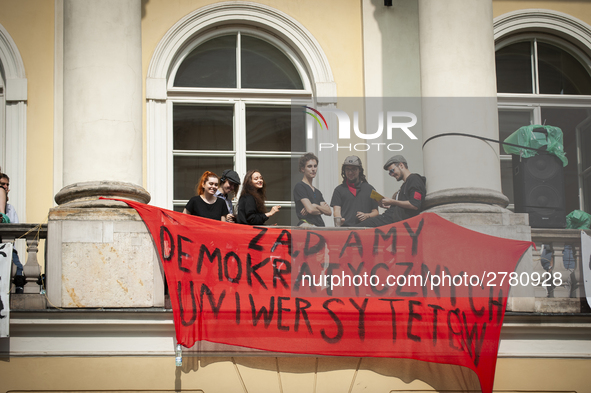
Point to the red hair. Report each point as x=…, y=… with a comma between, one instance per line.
x=206, y=175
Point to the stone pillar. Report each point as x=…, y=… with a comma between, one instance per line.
x=458, y=87
x=102, y=94
x=100, y=253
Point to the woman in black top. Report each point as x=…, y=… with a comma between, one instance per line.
x=251, y=205
x=206, y=204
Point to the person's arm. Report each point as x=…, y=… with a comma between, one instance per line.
x=325, y=209
x=2, y=200
x=189, y=207
x=274, y=210
x=311, y=208
x=337, y=212
x=387, y=202
x=364, y=216
x=224, y=209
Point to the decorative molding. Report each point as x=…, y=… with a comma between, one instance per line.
x=270, y=19
x=150, y=332
x=542, y=20
x=10, y=56
x=15, y=150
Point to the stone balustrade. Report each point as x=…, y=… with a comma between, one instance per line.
x=565, y=265
x=32, y=234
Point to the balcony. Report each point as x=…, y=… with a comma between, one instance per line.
x=566, y=297
x=33, y=297
x=569, y=295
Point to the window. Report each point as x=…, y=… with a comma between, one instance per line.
x=229, y=95
x=544, y=80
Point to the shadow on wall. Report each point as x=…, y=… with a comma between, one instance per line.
x=360, y=371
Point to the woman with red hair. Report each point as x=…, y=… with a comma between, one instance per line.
x=251, y=205
x=206, y=204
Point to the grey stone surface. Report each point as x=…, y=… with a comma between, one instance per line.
x=89, y=192
x=102, y=258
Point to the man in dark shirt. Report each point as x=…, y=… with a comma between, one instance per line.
x=351, y=200
x=309, y=202
x=407, y=201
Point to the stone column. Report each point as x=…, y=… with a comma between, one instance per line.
x=100, y=253
x=458, y=87
x=102, y=100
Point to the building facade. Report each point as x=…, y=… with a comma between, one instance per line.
x=136, y=98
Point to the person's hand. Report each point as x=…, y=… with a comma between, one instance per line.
x=304, y=212
x=362, y=216
x=382, y=204
x=230, y=217
x=275, y=209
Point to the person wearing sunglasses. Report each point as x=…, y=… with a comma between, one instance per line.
x=407, y=201
x=9, y=216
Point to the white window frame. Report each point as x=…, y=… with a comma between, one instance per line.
x=239, y=152
x=14, y=121
x=561, y=30
x=237, y=97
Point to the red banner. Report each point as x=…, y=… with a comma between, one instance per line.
x=423, y=289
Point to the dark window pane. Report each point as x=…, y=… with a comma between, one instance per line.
x=211, y=64
x=266, y=67
x=567, y=119
x=188, y=171
x=514, y=68
x=586, y=146
x=282, y=217
x=507, y=179
x=277, y=175
x=270, y=129
x=587, y=192
x=203, y=127
x=510, y=121
x=560, y=72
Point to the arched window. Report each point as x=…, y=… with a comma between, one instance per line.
x=543, y=79
x=230, y=93
x=219, y=91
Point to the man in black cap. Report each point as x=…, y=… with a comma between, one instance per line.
x=407, y=201
x=351, y=200
x=230, y=182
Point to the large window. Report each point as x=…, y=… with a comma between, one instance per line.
x=230, y=96
x=543, y=80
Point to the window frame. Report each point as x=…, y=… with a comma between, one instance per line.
x=537, y=101
x=239, y=98
x=239, y=31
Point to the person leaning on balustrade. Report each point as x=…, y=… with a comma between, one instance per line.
x=9, y=216
x=251, y=205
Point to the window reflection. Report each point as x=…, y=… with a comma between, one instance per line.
x=203, y=127
x=211, y=64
